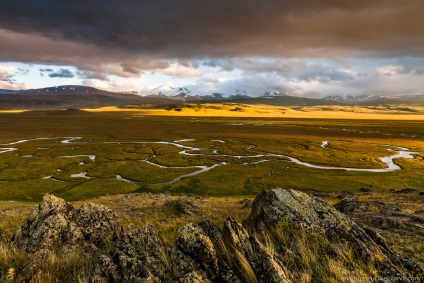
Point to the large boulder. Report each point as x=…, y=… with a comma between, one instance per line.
x=44, y=226
x=55, y=229
x=290, y=236
x=297, y=211
x=57, y=225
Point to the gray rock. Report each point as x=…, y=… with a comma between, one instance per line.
x=188, y=206
x=44, y=226
x=139, y=256
x=286, y=232
x=56, y=228
x=56, y=225
x=302, y=211
x=246, y=203
x=350, y=204
x=194, y=243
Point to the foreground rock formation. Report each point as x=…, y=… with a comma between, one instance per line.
x=403, y=227
x=288, y=237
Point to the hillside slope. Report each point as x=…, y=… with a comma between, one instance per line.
x=65, y=97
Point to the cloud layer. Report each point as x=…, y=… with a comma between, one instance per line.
x=177, y=38
x=187, y=28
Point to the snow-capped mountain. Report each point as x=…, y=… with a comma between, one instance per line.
x=350, y=98
x=169, y=91
x=273, y=93
x=182, y=93
x=239, y=94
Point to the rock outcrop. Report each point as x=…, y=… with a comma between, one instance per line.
x=56, y=228
x=389, y=219
x=56, y=225
x=138, y=256
x=184, y=205
x=289, y=237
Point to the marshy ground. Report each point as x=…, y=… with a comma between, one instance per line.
x=130, y=161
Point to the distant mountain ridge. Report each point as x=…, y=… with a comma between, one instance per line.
x=175, y=93
x=55, y=90
x=360, y=98
x=75, y=96
x=183, y=93
x=365, y=99
x=68, y=96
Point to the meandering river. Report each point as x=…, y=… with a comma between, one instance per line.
x=390, y=165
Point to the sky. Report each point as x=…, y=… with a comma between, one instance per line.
x=311, y=48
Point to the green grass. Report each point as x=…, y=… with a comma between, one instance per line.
x=115, y=140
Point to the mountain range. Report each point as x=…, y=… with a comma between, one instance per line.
x=365, y=99
x=70, y=96
x=74, y=96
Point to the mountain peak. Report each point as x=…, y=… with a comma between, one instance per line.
x=273, y=93
x=170, y=91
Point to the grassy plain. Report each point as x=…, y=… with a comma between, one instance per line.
x=122, y=140
x=231, y=109
x=144, y=147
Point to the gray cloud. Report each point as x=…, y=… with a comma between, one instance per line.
x=62, y=73
x=130, y=38
x=297, y=70
x=192, y=28
x=46, y=70
x=318, y=72
x=390, y=76
x=6, y=78
x=411, y=65
x=5, y=75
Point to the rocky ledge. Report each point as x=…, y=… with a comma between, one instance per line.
x=289, y=237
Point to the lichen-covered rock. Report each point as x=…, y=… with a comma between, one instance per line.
x=255, y=259
x=226, y=274
x=106, y=271
x=44, y=226
x=194, y=277
x=97, y=223
x=302, y=211
x=56, y=225
x=289, y=235
x=139, y=256
x=350, y=204
x=389, y=219
x=55, y=229
x=194, y=243
x=188, y=206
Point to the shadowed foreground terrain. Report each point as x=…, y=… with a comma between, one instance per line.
x=289, y=236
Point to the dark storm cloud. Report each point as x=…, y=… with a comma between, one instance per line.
x=200, y=28
x=62, y=73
